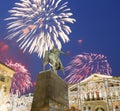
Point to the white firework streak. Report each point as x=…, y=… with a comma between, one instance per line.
x=38, y=24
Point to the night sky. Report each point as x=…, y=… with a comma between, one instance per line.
x=96, y=30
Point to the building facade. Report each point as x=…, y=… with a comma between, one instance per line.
x=6, y=75
x=14, y=102
x=96, y=93
x=11, y=102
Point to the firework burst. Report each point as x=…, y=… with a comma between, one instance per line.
x=38, y=24
x=21, y=80
x=85, y=64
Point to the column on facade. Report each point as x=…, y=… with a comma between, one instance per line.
x=116, y=91
x=85, y=95
x=95, y=94
x=69, y=96
x=78, y=94
x=100, y=93
x=81, y=96
x=111, y=91
x=104, y=94
x=90, y=95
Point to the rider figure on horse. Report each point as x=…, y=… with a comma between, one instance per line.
x=52, y=58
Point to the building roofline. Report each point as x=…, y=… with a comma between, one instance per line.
x=94, y=75
x=6, y=66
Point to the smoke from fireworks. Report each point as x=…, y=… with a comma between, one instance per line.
x=38, y=24
x=3, y=47
x=3, y=50
x=85, y=64
x=21, y=80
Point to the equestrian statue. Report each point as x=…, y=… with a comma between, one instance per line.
x=52, y=58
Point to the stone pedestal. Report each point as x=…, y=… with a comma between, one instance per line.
x=51, y=93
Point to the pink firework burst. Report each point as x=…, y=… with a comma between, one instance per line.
x=21, y=80
x=86, y=64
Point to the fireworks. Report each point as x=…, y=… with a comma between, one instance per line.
x=85, y=64
x=21, y=80
x=38, y=24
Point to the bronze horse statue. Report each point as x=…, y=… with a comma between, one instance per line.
x=52, y=58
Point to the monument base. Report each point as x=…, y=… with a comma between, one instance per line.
x=51, y=93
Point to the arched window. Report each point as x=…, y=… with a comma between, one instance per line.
x=99, y=109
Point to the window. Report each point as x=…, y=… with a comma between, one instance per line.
x=2, y=78
x=84, y=108
x=89, y=108
x=99, y=109
x=116, y=107
x=4, y=89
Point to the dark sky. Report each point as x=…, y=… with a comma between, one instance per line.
x=97, y=25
